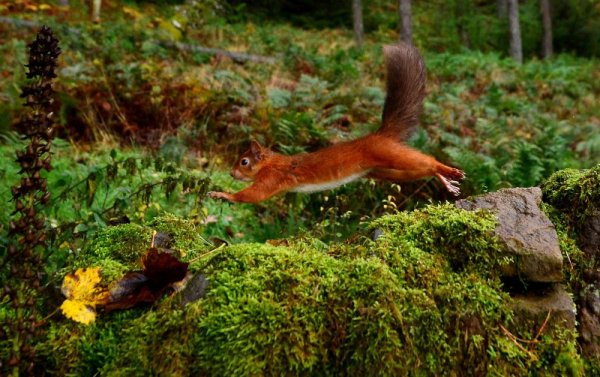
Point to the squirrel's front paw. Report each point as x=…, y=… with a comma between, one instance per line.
x=219, y=195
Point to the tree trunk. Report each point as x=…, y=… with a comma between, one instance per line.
x=462, y=10
x=516, y=49
x=357, y=17
x=501, y=7
x=547, y=49
x=96, y=10
x=405, y=21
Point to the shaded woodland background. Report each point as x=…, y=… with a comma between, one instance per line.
x=176, y=89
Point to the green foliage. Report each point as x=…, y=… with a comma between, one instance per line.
x=442, y=25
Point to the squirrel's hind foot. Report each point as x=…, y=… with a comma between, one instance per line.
x=451, y=185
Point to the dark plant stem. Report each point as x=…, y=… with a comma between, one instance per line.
x=26, y=251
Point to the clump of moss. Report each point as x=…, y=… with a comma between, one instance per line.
x=187, y=238
x=118, y=249
x=370, y=308
x=465, y=238
x=575, y=260
x=124, y=243
x=574, y=192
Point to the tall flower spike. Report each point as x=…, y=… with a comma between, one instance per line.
x=24, y=263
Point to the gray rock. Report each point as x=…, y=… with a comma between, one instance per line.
x=534, y=306
x=526, y=232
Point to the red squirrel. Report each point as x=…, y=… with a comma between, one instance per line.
x=380, y=155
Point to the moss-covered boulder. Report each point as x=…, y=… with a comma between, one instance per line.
x=574, y=199
x=425, y=298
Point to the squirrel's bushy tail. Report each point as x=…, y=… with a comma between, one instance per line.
x=405, y=90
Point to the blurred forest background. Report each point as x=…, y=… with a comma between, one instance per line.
x=156, y=99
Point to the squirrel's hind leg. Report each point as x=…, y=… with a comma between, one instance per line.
x=397, y=162
x=449, y=177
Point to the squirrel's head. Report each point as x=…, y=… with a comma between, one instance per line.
x=250, y=162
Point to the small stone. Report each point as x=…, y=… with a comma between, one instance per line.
x=534, y=306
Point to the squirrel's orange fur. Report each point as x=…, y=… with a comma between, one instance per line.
x=380, y=155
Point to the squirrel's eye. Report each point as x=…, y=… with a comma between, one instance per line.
x=245, y=162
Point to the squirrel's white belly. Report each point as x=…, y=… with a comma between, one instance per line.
x=328, y=185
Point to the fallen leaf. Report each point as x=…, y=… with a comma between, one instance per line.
x=194, y=289
x=126, y=285
x=83, y=294
x=162, y=270
x=78, y=311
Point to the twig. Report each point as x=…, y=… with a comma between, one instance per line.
x=569, y=259
x=207, y=253
x=43, y=320
x=543, y=326
x=414, y=193
x=514, y=340
x=153, y=237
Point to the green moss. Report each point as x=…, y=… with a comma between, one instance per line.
x=403, y=302
x=124, y=243
x=572, y=196
x=575, y=192
x=186, y=236
x=464, y=238
x=575, y=260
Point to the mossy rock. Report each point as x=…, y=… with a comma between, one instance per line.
x=118, y=249
x=575, y=192
x=186, y=236
x=404, y=304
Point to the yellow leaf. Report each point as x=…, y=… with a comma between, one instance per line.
x=82, y=284
x=78, y=311
x=44, y=7
x=83, y=293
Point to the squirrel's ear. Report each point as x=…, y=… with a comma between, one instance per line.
x=256, y=149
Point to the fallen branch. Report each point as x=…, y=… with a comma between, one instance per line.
x=18, y=22
x=235, y=56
